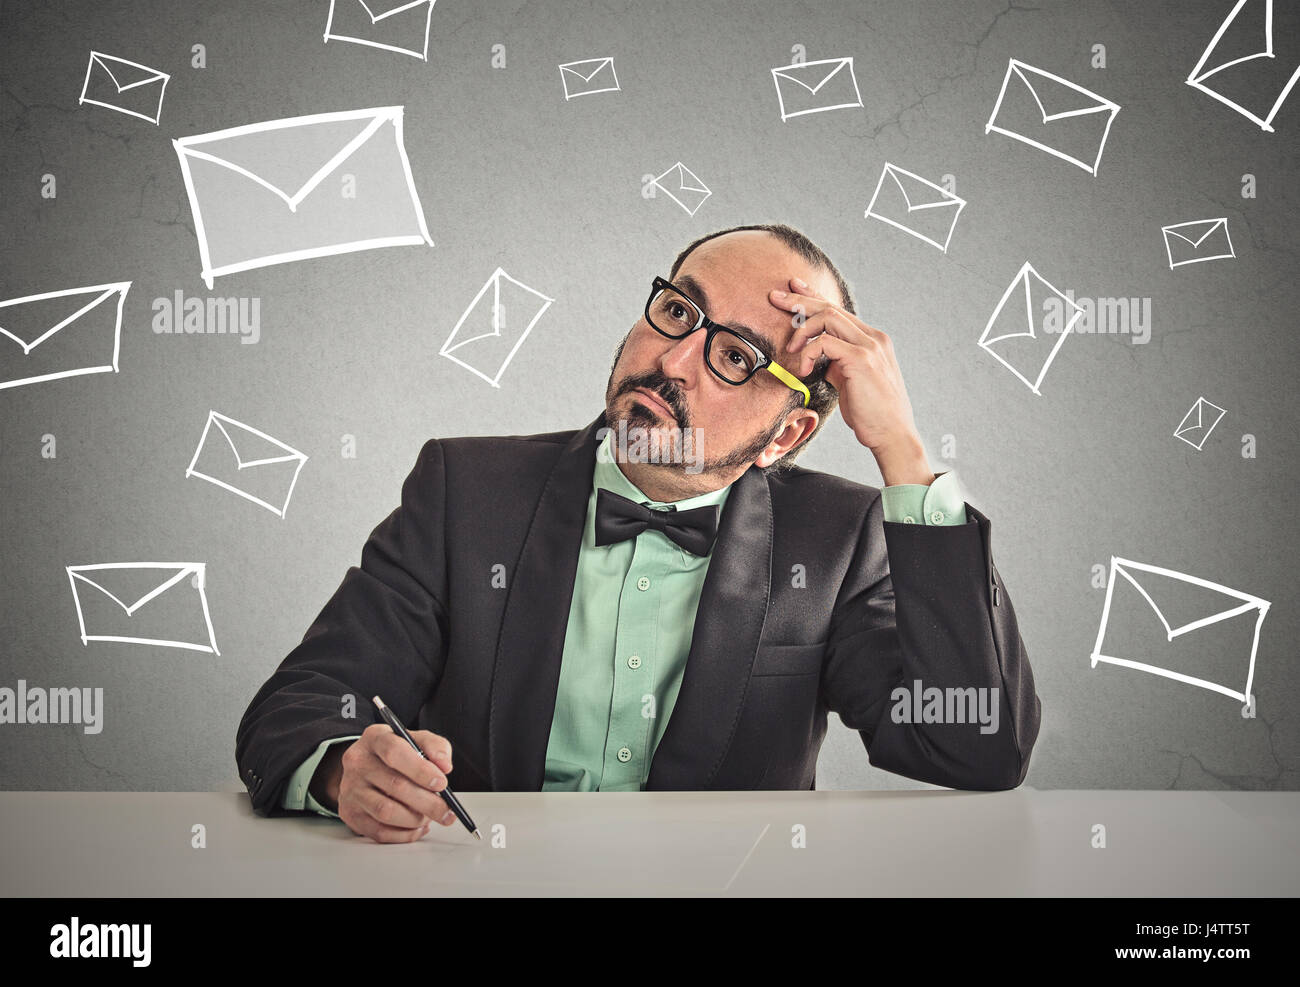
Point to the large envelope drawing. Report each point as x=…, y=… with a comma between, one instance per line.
x=45, y=339
x=815, y=87
x=1199, y=422
x=248, y=462
x=1053, y=115
x=393, y=25
x=1197, y=241
x=303, y=187
x=1151, y=583
x=916, y=206
x=127, y=618
x=125, y=86
x=681, y=185
x=495, y=325
x=1015, y=335
x=590, y=76
x=1249, y=27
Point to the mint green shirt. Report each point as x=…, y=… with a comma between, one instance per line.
x=619, y=677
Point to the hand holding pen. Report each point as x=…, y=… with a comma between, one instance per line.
x=444, y=790
x=386, y=787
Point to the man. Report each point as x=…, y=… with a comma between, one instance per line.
x=574, y=622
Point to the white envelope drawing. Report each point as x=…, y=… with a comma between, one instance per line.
x=1197, y=241
x=125, y=86
x=276, y=192
x=94, y=581
x=1198, y=423
x=393, y=25
x=590, y=76
x=815, y=87
x=494, y=326
x=101, y=350
x=1053, y=115
x=916, y=206
x=1015, y=328
x=1146, y=579
x=681, y=185
x=1255, y=35
x=258, y=460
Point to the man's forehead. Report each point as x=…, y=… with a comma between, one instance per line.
x=741, y=268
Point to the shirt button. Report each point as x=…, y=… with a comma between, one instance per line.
x=936, y=517
x=908, y=519
x=624, y=754
x=643, y=583
x=634, y=661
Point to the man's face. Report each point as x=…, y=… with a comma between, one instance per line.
x=730, y=278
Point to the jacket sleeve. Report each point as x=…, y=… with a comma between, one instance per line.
x=925, y=658
x=383, y=632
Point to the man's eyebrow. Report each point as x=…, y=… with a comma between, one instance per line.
x=696, y=291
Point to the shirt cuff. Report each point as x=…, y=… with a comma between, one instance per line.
x=297, y=795
x=939, y=503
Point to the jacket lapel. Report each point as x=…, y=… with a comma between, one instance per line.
x=530, y=647
x=728, y=624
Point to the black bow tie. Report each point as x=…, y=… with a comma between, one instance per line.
x=618, y=518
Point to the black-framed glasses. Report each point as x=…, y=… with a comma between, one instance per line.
x=732, y=358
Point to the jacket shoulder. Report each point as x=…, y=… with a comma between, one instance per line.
x=504, y=460
x=814, y=489
x=488, y=444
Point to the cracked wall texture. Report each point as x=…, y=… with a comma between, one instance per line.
x=511, y=174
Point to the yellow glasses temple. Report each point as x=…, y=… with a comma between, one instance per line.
x=789, y=380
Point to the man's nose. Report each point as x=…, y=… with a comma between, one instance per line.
x=684, y=357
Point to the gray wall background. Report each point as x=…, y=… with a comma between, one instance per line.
x=511, y=174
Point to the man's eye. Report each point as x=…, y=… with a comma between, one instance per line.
x=737, y=358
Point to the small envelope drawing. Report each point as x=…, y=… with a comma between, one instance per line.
x=1075, y=127
x=815, y=87
x=492, y=329
x=125, y=86
x=1147, y=580
x=239, y=451
x=102, y=348
x=1015, y=324
x=1199, y=422
x=245, y=218
x=914, y=205
x=590, y=76
x=1197, y=241
x=92, y=580
x=393, y=25
x=681, y=185
x=1258, y=36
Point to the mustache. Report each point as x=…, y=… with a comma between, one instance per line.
x=660, y=386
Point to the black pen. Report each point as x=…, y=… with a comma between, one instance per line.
x=391, y=719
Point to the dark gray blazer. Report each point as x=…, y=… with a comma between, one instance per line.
x=420, y=624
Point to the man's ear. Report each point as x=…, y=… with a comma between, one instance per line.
x=772, y=458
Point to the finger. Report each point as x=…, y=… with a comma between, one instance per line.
x=391, y=834
x=826, y=344
x=801, y=287
x=383, y=808
x=795, y=301
x=806, y=310
x=813, y=315
x=400, y=756
x=363, y=823
x=835, y=322
x=436, y=748
x=378, y=774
